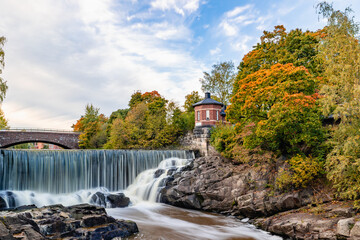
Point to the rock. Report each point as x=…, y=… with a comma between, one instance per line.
x=118, y=200
x=110, y=200
x=54, y=222
x=96, y=220
x=212, y=184
x=355, y=231
x=158, y=173
x=10, y=199
x=4, y=232
x=2, y=203
x=99, y=199
x=344, y=226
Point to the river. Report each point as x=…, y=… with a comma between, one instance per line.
x=72, y=177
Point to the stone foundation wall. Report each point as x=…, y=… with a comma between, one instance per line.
x=199, y=140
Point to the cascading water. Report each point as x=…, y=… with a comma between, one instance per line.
x=148, y=184
x=71, y=177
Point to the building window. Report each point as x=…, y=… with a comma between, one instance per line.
x=217, y=115
x=198, y=115
x=207, y=115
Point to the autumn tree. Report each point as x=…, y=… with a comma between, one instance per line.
x=150, y=123
x=278, y=46
x=120, y=113
x=220, y=81
x=3, y=85
x=191, y=99
x=3, y=121
x=340, y=52
x=92, y=126
x=280, y=102
x=259, y=91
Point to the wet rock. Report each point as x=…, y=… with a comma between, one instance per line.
x=98, y=198
x=158, y=173
x=2, y=203
x=110, y=200
x=118, y=200
x=54, y=222
x=212, y=184
x=10, y=199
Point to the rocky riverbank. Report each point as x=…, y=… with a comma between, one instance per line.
x=82, y=221
x=212, y=184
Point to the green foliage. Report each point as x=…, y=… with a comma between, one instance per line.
x=191, y=99
x=23, y=146
x=219, y=81
x=223, y=140
x=340, y=52
x=302, y=171
x=182, y=121
x=152, y=122
x=293, y=127
x=296, y=47
x=3, y=85
x=120, y=113
x=281, y=104
x=92, y=127
x=275, y=107
x=3, y=121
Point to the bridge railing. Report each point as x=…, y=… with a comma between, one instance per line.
x=38, y=130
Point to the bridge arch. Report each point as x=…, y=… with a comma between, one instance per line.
x=67, y=140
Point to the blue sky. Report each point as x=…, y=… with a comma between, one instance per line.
x=61, y=55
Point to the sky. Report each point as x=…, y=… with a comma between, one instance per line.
x=62, y=55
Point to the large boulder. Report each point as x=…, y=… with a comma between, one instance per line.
x=82, y=221
x=110, y=200
x=118, y=200
x=99, y=199
x=344, y=227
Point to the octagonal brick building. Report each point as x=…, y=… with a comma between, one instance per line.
x=208, y=112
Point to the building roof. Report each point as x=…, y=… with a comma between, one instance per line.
x=208, y=101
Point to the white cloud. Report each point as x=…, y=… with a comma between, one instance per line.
x=181, y=7
x=61, y=55
x=237, y=10
x=215, y=51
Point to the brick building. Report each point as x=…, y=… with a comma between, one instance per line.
x=208, y=112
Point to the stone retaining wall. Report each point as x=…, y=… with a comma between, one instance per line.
x=199, y=140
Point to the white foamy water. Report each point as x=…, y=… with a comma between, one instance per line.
x=155, y=220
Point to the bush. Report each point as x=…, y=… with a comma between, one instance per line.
x=223, y=139
x=301, y=171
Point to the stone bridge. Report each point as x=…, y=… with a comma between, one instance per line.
x=64, y=139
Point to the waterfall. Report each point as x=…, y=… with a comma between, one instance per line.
x=148, y=184
x=69, y=171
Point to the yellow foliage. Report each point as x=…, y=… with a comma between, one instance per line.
x=301, y=172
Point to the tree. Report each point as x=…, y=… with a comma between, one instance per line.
x=259, y=91
x=3, y=121
x=120, y=113
x=296, y=47
x=3, y=85
x=293, y=127
x=191, y=99
x=340, y=52
x=219, y=81
x=152, y=122
x=92, y=127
